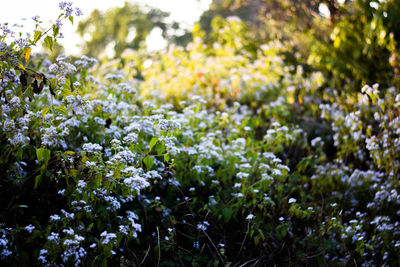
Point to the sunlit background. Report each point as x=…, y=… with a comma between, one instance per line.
x=185, y=12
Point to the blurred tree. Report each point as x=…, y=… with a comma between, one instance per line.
x=58, y=50
x=256, y=13
x=353, y=42
x=122, y=27
x=362, y=47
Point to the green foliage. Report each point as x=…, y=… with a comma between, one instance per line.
x=224, y=153
x=359, y=47
x=356, y=44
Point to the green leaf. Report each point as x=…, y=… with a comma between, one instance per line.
x=39, y=154
x=160, y=148
x=46, y=155
x=166, y=157
x=283, y=232
x=53, y=82
x=149, y=162
x=44, y=112
x=261, y=234
x=227, y=212
x=65, y=92
x=43, y=154
x=71, y=18
x=84, y=72
x=56, y=30
x=20, y=153
x=62, y=110
x=117, y=172
x=382, y=107
x=67, y=84
x=98, y=180
x=49, y=42
x=153, y=142
x=37, y=36
x=37, y=180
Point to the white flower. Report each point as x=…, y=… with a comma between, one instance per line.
x=99, y=121
x=107, y=237
x=315, y=141
x=81, y=184
x=292, y=200
x=68, y=231
x=131, y=138
x=276, y=172
x=30, y=228
x=19, y=138
x=67, y=214
x=241, y=175
x=42, y=257
x=250, y=217
x=53, y=237
x=54, y=217
x=237, y=185
x=203, y=226
x=92, y=148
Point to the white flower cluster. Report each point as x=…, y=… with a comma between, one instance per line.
x=5, y=243
x=92, y=148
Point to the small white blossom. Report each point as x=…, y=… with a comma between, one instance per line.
x=30, y=228
x=250, y=217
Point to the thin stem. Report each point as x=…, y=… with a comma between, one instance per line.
x=159, y=249
x=145, y=256
x=244, y=239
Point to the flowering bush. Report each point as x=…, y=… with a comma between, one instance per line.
x=98, y=170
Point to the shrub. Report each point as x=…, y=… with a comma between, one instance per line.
x=98, y=171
